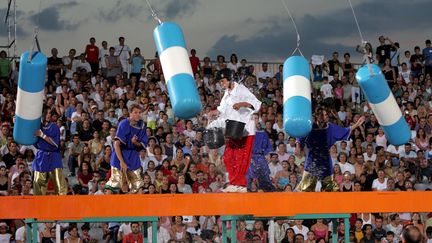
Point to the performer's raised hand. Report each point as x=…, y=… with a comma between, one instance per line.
x=38, y=133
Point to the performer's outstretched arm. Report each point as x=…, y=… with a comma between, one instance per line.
x=358, y=123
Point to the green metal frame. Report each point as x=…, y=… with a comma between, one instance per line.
x=334, y=218
x=32, y=228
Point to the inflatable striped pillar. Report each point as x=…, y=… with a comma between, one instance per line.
x=183, y=93
x=297, y=108
x=31, y=84
x=383, y=104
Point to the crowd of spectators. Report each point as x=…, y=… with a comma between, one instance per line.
x=88, y=94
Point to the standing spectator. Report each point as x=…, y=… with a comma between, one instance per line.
x=195, y=62
x=54, y=65
x=5, y=70
x=114, y=66
x=103, y=54
x=69, y=64
x=124, y=53
x=234, y=65
x=333, y=64
x=383, y=50
x=416, y=61
x=427, y=54
x=137, y=62
x=92, y=54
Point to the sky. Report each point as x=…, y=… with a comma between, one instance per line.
x=258, y=30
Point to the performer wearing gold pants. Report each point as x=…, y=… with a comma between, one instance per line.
x=48, y=161
x=318, y=164
x=131, y=137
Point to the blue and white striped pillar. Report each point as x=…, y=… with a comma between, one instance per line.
x=383, y=104
x=31, y=85
x=297, y=108
x=183, y=93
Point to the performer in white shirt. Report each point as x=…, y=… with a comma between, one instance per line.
x=237, y=104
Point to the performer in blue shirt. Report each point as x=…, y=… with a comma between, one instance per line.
x=48, y=160
x=125, y=163
x=318, y=164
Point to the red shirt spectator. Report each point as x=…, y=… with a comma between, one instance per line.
x=195, y=62
x=135, y=236
x=199, y=182
x=92, y=52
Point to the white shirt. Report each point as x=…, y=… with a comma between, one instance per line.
x=20, y=234
x=392, y=149
x=163, y=235
x=103, y=53
x=239, y=94
x=378, y=185
x=66, y=61
x=327, y=90
x=367, y=157
x=304, y=230
x=274, y=169
x=347, y=167
x=125, y=229
x=123, y=53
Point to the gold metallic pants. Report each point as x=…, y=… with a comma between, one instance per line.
x=40, y=182
x=132, y=179
x=308, y=183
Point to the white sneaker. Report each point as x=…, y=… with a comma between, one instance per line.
x=234, y=188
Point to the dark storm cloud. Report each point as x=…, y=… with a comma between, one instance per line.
x=50, y=18
x=277, y=40
x=179, y=8
x=166, y=9
x=122, y=9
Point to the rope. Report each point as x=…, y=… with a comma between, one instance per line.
x=295, y=28
x=363, y=42
x=154, y=15
x=35, y=38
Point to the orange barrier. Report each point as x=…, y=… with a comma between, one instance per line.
x=257, y=204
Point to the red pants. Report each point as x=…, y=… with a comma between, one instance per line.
x=237, y=158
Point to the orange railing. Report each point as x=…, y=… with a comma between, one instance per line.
x=257, y=204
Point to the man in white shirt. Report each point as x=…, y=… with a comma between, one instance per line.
x=327, y=92
x=263, y=75
x=124, y=53
x=274, y=165
x=369, y=154
x=103, y=53
x=70, y=64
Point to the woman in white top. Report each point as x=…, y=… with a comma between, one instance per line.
x=233, y=64
x=381, y=139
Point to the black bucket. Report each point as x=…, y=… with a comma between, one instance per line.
x=234, y=129
x=214, y=138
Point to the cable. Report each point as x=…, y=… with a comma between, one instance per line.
x=295, y=28
x=363, y=42
x=154, y=15
x=36, y=32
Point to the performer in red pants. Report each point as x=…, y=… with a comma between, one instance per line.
x=237, y=104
